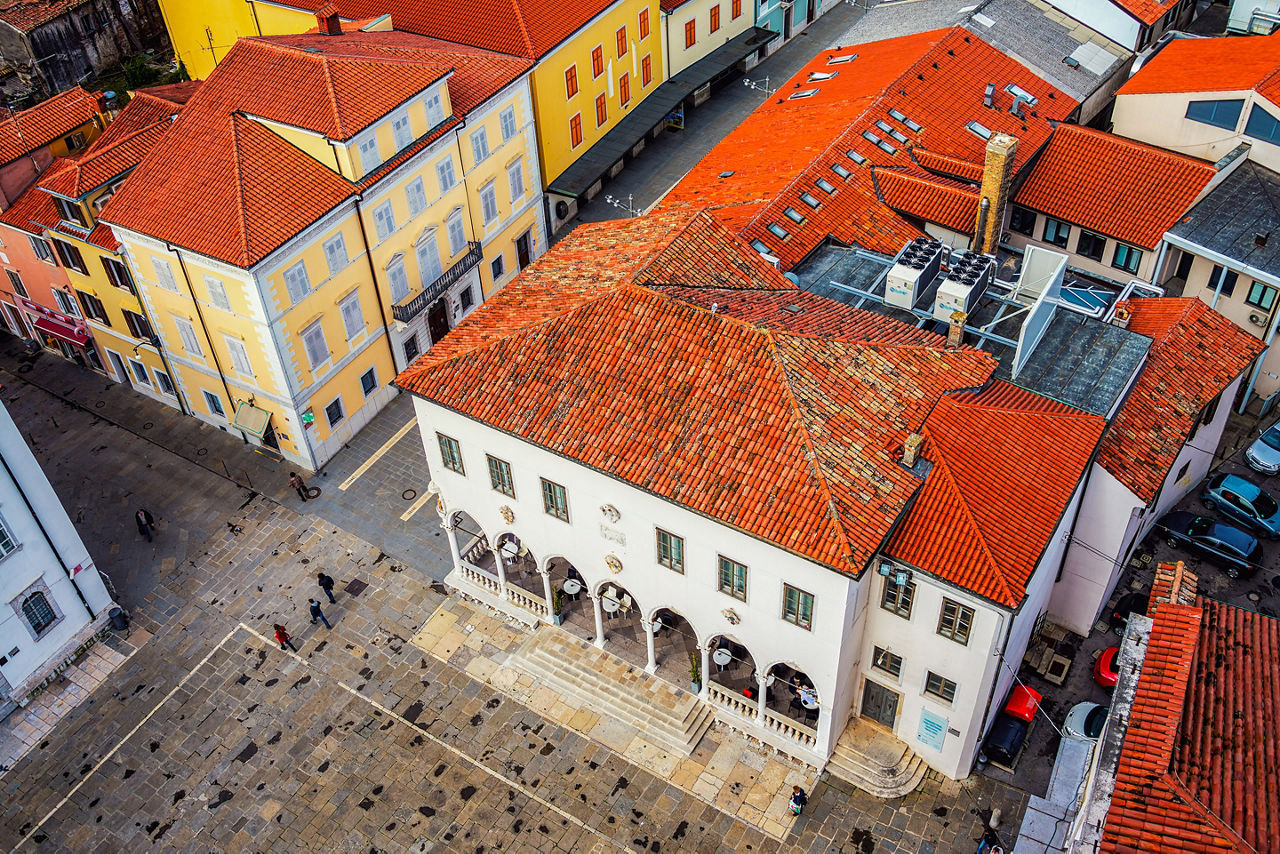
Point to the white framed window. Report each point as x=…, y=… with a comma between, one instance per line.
x=140, y=372
x=479, y=145
x=457, y=234
x=40, y=246
x=507, y=118
x=369, y=158
x=296, y=282
x=369, y=382
x=187, y=332
x=239, y=356
x=335, y=254
x=66, y=303
x=416, y=195
x=352, y=316
x=428, y=252
x=397, y=278
x=217, y=293
x=8, y=545
x=400, y=131
x=515, y=178
x=314, y=343
x=435, y=108
x=214, y=403
x=384, y=220
x=165, y=383
x=444, y=172
x=334, y=412
x=489, y=204
x=164, y=273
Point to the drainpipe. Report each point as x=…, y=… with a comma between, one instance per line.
x=253, y=11
x=373, y=277
x=62, y=563
x=1257, y=368
x=1155, y=274
x=1006, y=628
x=1217, y=290
x=984, y=208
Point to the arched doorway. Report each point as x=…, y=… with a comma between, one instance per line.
x=525, y=585
x=577, y=615
x=675, y=647
x=731, y=668
x=618, y=622
x=790, y=693
x=471, y=544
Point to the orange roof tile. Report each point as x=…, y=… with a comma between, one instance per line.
x=1112, y=185
x=32, y=129
x=174, y=93
x=1147, y=11
x=806, y=416
x=1001, y=454
x=1199, y=770
x=1195, y=354
x=34, y=211
x=952, y=167
x=26, y=15
x=1230, y=64
x=930, y=199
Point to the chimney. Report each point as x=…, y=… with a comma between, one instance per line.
x=1121, y=315
x=955, y=332
x=1173, y=583
x=997, y=174
x=327, y=20
x=911, y=449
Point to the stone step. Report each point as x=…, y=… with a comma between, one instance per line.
x=662, y=713
x=875, y=761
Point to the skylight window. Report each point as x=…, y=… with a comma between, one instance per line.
x=810, y=201
x=794, y=215
x=803, y=93
x=840, y=170
x=826, y=186
x=902, y=117
x=760, y=247
x=778, y=231
x=821, y=76
x=870, y=137
x=979, y=130
x=900, y=137
x=884, y=126
x=856, y=157
x=886, y=147
x=841, y=60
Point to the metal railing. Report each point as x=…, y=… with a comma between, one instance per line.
x=406, y=311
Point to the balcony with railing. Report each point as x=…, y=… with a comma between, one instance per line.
x=411, y=308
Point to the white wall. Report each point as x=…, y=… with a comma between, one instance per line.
x=1242, y=11
x=1160, y=119
x=1104, y=17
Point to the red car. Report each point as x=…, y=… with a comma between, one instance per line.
x=1104, y=669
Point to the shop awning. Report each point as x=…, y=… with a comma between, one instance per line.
x=60, y=330
x=251, y=419
x=595, y=162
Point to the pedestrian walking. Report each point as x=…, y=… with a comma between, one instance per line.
x=326, y=584
x=145, y=523
x=990, y=843
x=283, y=637
x=798, y=800
x=316, y=613
x=296, y=481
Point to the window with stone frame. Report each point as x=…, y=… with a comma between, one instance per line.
x=955, y=622
x=897, y=598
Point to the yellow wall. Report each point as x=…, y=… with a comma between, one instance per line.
x=91, y=130
x=554, y=111
x=202, y=31
x=349, y=153
x=706, y=41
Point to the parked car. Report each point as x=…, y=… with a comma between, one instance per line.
x=1264, y=454
x=1129, y=603
x=1236, y=551
x=1104, y=669
x=1237, y=498
x=1085, y=720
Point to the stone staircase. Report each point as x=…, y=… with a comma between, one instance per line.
x=670, y=718
x=876, y=762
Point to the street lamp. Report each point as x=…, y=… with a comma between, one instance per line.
x=753, y=84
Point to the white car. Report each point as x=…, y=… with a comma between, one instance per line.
x=1085, y=721
x=1264, y=454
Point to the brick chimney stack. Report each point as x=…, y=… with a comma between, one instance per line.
x=997, y=174
x=911, y=449
x=327, y=20
x=955, y=331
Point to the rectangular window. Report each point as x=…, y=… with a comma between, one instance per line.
x=400, y=132
x=457, y=235
x=620, y=37
x=1262, y=125
x=428, y=253
x=138, y=326
x=416, y=195
x=16, y=281
x=217, y=293
x=897, y=597
x=369, y=159
x=489, y=204
x=187, y=334
x=644, y=23
x=646, y=71
x=602, y=109
x=317, y=349
x=515, y=180
x=334, y=412
x=479, y=145
x=450, y=453
x=435, y=109
x=465, y=299
x=500, y=476
x=690, y=33
x=140, y=373
x=445, y=175
x=93, y=307
x=1056, y=232
x=70, y=256
x=671, y=551
x=1022, y=221
x=797, y=606
x=571, y=81
x=943, y=689
x=624, y=89
x=66, y=303
x=1261, y=296
x=335, y=254
x=715, y=18
x=597, y=61
x=296, y=282
x=166, y=384
x=1091, y=245
x=214, y=403
x=733, y=578
x=888, y=662
x=369, y=382
x=955, y=622
x=1220, y=114
x=41, y=248
x=497, y=268
x=117, y=274
x=164, y=273
x=1127, y=258
x=239, y=356
x=7, y=543
x=398, y=279
x=736, y=10
x=575, y=130
x=70, y=212
x=384, y=221
x=507, y=120
x=352, y=316
x=554, y=501
x=1228, y=280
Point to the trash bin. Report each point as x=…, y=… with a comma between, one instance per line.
x=118, y=620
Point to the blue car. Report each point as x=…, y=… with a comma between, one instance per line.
x=1244, y=502
x=1225, y=545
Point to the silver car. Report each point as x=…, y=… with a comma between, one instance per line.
x=1085, y=721
x=1264, y=454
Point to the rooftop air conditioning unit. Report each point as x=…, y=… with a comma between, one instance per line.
x=966, y=282
x=916, y=265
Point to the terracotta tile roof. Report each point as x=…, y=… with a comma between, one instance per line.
x=1001, y=454
x=32, y=129
x=223, y=185
x=26, y=15
x=174, y=93
x=936, y=83
x=34, y=211
x=1112, y=185
x=722, y=416
x=1229, y=64
x=1199, y=770
x=1195, y=354
x=1147, y=11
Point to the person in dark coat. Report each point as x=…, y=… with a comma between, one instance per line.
x=316, y=614
x=798, y=800
x=283, y=638
x=326, y=584
x=296, y=481
x=145, y=523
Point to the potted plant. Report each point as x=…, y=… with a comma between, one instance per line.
x=557, y=606
x=695, y=672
